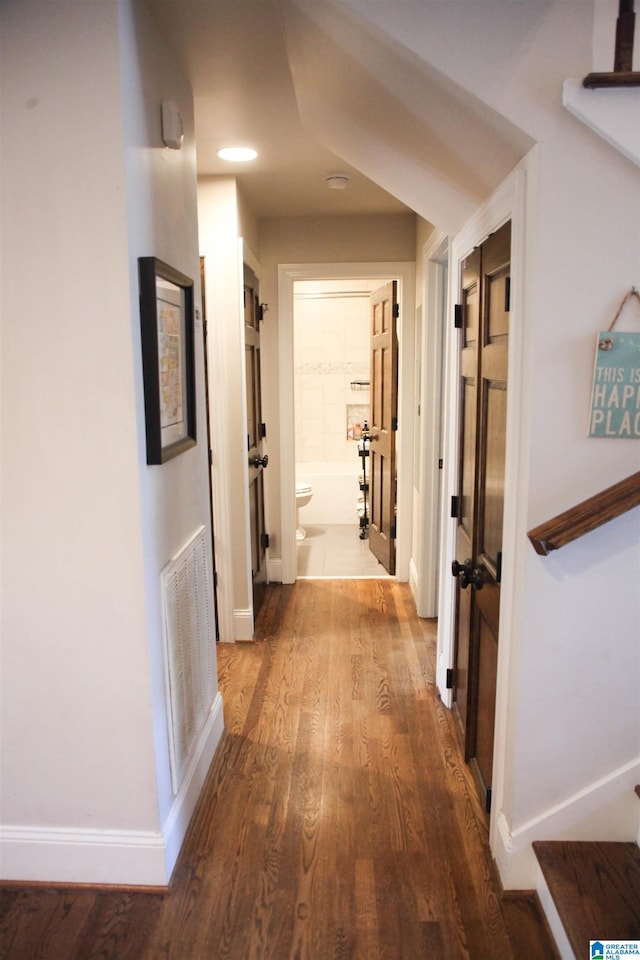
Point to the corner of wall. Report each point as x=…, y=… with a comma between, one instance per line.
x=177, y=823
x=606, y=810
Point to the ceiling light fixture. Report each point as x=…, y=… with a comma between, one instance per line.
x=337, y=181
x=238, y=154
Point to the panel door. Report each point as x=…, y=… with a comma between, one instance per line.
x=383, y=426
x=482, y=434
x=255, y=435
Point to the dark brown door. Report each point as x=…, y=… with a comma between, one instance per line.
x=480, y=497
x=384, y=423
x=255, y=435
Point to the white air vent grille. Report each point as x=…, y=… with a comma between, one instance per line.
x=189, y=634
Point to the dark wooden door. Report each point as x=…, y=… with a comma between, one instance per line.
x=255, y=435
x=384, y=423
x=485, y=293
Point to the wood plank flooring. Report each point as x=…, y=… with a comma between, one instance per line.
x=338, y=821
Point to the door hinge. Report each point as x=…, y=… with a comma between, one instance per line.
x=215, y=580
x=394, y=423
x=263, y=430
x=396, y=311
x=265, y=541
x=450, y=678
x=440, y=463
x=487, y=801
x=457, y=316
x=507, y=294
x=455, y=507
x=499, y=567
x=210, y=457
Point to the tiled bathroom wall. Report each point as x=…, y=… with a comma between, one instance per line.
x=331, y=352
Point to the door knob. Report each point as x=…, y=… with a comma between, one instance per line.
x=259, y=461
x=468, y=574
x=462, y=571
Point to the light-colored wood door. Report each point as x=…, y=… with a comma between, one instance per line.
x=480, y=497
x=384, y=423
x=255, y=435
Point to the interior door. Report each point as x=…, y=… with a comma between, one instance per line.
x=256, y=432
x=485, y=288
x=384, y=423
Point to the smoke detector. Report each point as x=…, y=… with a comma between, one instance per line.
x=337, y=181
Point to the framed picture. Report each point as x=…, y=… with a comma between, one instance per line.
x=166, y=318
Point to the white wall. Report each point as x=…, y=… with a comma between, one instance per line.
x=162, y=221
x=331, y=351
x=86, y=526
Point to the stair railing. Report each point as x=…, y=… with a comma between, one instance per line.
x=586, y=516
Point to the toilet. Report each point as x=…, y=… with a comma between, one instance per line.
x=304, y=492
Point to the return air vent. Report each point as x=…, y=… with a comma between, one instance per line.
x=189, y=643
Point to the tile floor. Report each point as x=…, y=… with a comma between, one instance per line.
x=336, y=551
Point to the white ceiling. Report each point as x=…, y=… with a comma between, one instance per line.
x=233, y=54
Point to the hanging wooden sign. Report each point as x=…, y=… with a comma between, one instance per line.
x=615, y=397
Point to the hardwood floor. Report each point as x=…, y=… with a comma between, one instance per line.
x=338, y=822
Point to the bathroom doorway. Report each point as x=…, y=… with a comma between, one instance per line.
x=379, y=271
x=332, y=399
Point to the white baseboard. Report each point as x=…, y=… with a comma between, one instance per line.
x=274, y=570
x=605, y=810
x=243, y=624
x=50, y=855
x=124, y=857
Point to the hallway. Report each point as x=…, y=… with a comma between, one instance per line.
x=338, y=819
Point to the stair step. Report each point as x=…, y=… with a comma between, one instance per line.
x=595, y=886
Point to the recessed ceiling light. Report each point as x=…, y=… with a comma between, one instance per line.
x=237, y=154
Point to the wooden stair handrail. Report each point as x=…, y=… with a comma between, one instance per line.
x=586, y=516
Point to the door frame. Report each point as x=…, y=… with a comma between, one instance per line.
x=425, y=566
x=511, y=201
x=404, y=273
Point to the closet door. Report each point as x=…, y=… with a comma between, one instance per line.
x=485, y=293
x=255, y=435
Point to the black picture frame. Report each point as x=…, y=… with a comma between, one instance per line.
x=168, y=359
